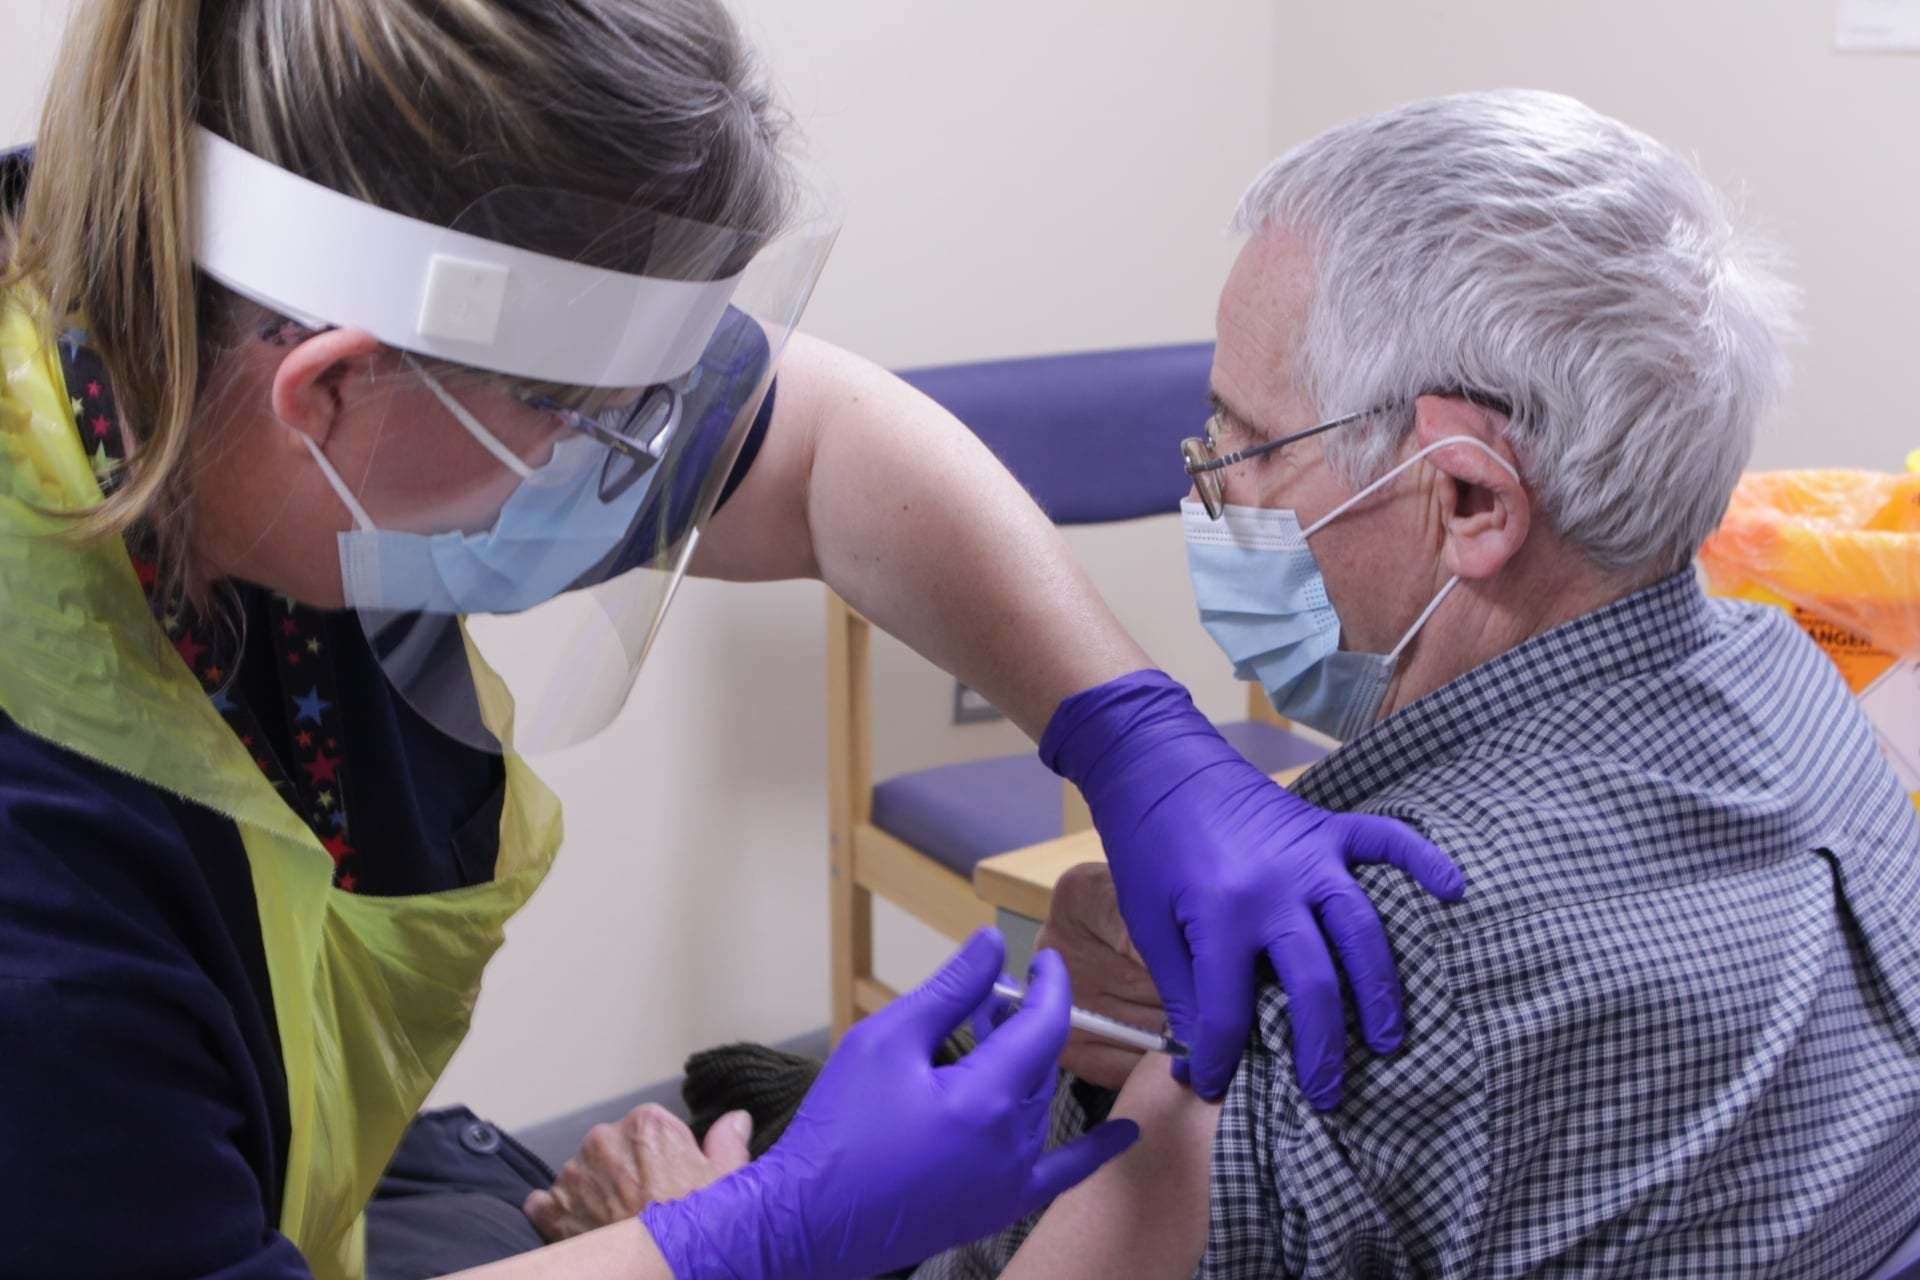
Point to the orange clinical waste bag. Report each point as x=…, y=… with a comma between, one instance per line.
x=1840, y=550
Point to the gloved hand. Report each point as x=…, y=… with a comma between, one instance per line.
x=1216, y=864
x=892, y=1159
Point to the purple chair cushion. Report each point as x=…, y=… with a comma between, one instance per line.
x=1093, y=436
x=958, y=814
x=1270, y=747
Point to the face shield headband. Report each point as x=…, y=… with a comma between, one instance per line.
x=655, y=370
x=324, y=258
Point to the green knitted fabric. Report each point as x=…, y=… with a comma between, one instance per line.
x=766, y=1083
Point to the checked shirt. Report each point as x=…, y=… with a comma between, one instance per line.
x=1673, y=1030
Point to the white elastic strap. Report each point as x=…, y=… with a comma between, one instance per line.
x=359, y=513
x=1386, y=479
x=490, y=442
x=1421, y=621
x=325, y=258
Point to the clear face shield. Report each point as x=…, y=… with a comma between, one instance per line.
x=574, y=383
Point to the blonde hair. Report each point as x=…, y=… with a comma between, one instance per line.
x=420, y=106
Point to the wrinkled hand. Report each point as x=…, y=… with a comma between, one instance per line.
x=650, y=1155
x=1084, y=925
x=1216, y=865
x=892, y=1159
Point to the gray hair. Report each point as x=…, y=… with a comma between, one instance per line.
x=1522, y=246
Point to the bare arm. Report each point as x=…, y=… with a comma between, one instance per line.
x=1144, y=1214
x=623, y=1250
x=871, y=486
x=592, y=1207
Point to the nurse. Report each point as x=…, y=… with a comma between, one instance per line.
x=373, y=371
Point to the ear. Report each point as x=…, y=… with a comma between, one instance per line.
x=306, y=387
x=1484, y=509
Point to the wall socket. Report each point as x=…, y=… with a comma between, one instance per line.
x=970, y=708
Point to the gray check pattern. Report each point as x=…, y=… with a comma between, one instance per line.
x=1674, y=1028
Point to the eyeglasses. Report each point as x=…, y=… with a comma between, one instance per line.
x=1207, y=468
x=636, y=436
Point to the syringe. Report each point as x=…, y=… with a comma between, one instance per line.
x=1104, y=1027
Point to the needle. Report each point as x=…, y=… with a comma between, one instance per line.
x=1104, y=1027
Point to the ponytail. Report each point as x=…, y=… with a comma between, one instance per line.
x=105, y=236
x=419, y=106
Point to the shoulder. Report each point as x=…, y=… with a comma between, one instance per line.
x=140, y=1136
x=93, y=866
x=1742, y=750
x=42, y=782
x=1396, y=1171
x=121, y=1058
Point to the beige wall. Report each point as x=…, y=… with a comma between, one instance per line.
x=1018, y=179
x=28, y=29
x=1046, y=177
x=1051, y=176
x=1821, y=145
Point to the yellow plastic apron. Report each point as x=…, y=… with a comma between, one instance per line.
x=372, y=995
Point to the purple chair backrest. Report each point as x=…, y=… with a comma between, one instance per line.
x=1093, y=436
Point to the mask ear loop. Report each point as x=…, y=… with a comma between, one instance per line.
x=360, y=517
x=1393, y=655
x=276, y=334
x=1387, y=479
x=488, y=441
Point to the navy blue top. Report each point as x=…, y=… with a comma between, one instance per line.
x=143, y=1110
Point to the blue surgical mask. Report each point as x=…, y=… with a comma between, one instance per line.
x=552, y=529
x=1264, y=601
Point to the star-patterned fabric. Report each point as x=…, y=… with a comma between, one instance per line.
x=313, y=779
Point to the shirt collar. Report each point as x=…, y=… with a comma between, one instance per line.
x=1646, y=631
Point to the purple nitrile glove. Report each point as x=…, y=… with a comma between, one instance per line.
x=892, y=1159
x=1215, y=864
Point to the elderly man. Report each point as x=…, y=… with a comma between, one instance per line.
x=1674, y=1026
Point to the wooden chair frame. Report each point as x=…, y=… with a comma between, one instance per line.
x=864, y=860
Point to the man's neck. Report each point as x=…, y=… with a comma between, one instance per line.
x=1538, y=591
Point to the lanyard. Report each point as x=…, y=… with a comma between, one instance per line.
x=315, y=786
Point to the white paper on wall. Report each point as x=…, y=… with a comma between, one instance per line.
x=1878, y=26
